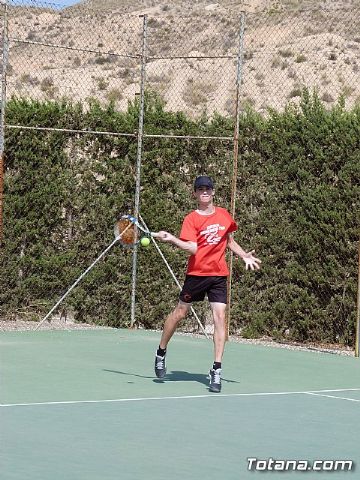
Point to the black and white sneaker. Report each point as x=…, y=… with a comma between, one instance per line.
x=215, y=380
x=160, y=366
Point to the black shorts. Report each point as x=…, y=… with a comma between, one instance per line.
x=195, y=287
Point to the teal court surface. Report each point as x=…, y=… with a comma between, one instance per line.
x=85, y=405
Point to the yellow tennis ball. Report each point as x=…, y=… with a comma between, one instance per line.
x=145, y=241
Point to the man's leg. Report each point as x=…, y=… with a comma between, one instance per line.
x=172, y=321
x=170, y=325
x=218, y=310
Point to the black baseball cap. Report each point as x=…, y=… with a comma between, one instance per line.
x=203, y=181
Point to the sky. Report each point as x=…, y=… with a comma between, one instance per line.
x=60, y=3
x=65, y=3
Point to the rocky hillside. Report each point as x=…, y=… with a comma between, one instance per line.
x=93, y=50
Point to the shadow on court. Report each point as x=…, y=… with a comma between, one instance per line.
x=174, y=376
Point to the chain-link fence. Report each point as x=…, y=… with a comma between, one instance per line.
x=191, y=62
x=52, y=56
x=192, y=68
x=286, y=51
x=210, y=66
x=54, y=53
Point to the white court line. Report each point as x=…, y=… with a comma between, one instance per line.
x=185, y=397
x=333, y=396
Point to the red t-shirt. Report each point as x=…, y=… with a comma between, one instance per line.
x=210, y=232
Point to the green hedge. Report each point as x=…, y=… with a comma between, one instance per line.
x=297, y=205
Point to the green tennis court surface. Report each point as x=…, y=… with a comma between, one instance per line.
x=84, y=405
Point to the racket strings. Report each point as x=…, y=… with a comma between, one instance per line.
x=127, y=231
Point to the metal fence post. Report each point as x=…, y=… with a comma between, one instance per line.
x=236, y=156
x=138, y=164
x=5, y=52
x=357, y=328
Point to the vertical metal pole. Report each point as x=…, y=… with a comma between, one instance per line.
x=5, y=52
x=357, y=329
x=235, y=162
x=138, y=163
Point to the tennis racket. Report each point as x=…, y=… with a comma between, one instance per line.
x=126, y=231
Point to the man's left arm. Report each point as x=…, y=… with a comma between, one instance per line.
x=251, y=262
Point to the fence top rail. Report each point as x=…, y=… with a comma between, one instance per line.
x=231, y=9
x=123, y=55
x=76, y=49
x=120, y=134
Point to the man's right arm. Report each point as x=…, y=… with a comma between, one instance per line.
x=186, y=246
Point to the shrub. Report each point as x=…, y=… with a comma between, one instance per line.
x=114, y=95
x=286, y=53
x=300, y=58
x=298, y=183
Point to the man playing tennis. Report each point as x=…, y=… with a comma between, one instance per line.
x=205, y=234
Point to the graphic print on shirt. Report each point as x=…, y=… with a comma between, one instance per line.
x=211, y=233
